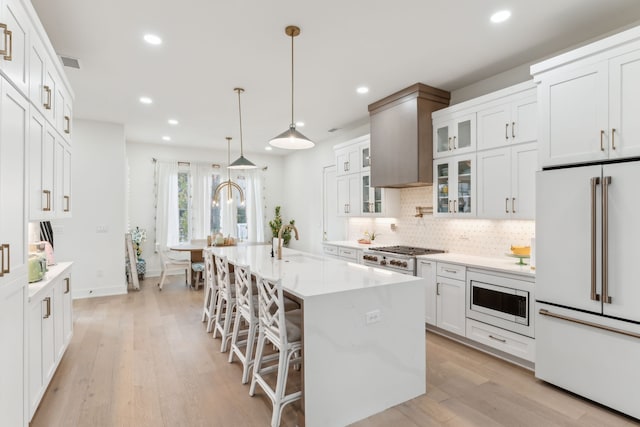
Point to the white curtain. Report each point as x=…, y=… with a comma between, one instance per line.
x=202, y=192
x=167, y=226
x=254, y=204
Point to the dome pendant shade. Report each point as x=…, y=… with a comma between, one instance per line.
x=291, y=139
x=242, y=162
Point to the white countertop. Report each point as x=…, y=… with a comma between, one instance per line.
x=53, y=272
x=353, y=244
x=503, y=264
x=306, y=275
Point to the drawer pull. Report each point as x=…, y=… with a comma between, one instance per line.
x=67, y=201
x=450, y=271
x=67, y=280
x=8, y=248
x=67, y=125
x=48, y=194
x=498, y=339
x=545, y=312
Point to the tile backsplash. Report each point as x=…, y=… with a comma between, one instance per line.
x=467, y=236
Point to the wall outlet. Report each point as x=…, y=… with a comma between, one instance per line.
x=373, y=316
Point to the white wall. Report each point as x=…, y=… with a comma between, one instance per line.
x=98, y=200
x=141, y=185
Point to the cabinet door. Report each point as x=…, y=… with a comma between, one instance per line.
x=624, y=107
x=67, y=117
x=464, y=138
x=48, y=336
x=13, y=142
x=574, y=110
x=464, y=169
x=524, y=120
x=524, y=164
x=49, y=94
x=365, y=157
x=12, y=357
x=427, y=270
x=66, y=181
x=450, y=305
x=37, y=66
x=443, y=183
x=57, y=310
x=347, y=160
x=14, y=61
x=494, y=183
x=60, y=101
x=36, y=375
x=348, y=195
x=372, y=197
x=442, y=139
x=41, y=151
x=494, y=126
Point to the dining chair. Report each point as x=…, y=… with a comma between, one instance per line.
x=226, y=304
x=211, y=292
x=247, y=315
x=173, y=265
x=284, y=331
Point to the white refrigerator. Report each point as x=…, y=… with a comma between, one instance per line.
x=588, y=282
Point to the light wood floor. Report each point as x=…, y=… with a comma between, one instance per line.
x=144, y=359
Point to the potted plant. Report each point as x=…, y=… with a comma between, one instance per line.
x=276, y=224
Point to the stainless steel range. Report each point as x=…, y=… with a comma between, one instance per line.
x=401, y=259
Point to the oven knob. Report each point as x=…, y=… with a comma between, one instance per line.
x=383, y=262
x=404, y=264
x=366, y=257
x=392, y=262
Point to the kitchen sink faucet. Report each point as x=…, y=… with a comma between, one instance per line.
x=282, y=230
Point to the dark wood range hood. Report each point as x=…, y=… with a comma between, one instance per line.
x=402, y=136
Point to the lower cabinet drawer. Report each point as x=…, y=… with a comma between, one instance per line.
x=509, y=342
x=452, y=271
x=348, y=253
x=330, y=250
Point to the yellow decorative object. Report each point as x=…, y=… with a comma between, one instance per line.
x=521, y=250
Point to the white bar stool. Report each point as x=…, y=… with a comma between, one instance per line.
x=226, y=303
x=247, y=313
x=211, y=292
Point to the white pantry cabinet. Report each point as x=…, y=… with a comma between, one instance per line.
x=14, y=42
x=506, y=182
x=50, y=328
x=445, y=295
x=593, y=96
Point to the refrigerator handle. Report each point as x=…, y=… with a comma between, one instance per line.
x=595, y=181
x=606, y=181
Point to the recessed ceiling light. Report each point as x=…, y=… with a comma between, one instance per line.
x=500, y=16
x=362, y=89
x=172, y=122
x=268, y=148
x=146, y=100
x=166, y=138
x=152, y=39
x=300, y=124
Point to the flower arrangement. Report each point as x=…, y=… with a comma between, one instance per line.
x=276, y=224
x=138, y=236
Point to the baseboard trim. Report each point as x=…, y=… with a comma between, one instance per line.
x=100, y=292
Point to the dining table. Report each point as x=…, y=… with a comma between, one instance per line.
x=362, y=331
x=194, y=247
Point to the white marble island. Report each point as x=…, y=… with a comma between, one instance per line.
x=363, y=328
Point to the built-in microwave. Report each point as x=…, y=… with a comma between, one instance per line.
x=500, y=300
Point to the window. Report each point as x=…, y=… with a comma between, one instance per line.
x=183, y=206
x=214, y=226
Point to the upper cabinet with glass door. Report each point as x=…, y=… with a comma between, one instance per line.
x=455, y=191
x=453, y=135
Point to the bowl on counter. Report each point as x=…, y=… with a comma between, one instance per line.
x=521, y=250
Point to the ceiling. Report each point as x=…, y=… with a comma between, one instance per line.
x=211, y=47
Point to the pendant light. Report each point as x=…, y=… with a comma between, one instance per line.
x=291, y=139
x=230, y=185
x=242, y=162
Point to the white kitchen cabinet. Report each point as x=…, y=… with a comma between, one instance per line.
x=50, y=328
x=348, y=195
x=348, y=160
x=589, y=105
x=377, y=201
x=42, y=145
x=14, y=39
x=63, y=178
x=455, y=186
x=506, y=182
x=330, y=251
x=445, y=295
x=14, y=120
x=454, y=135
x=513, y=120
x=427, y=270
x=12, y=359
x=345, y=253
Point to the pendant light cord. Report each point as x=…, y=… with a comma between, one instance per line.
x=293, y=123
x=229, y=160
x=239, y=90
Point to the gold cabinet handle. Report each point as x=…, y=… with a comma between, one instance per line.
x=47, y=105
x=8, y=248
x=9, y=44
x=438, y=288
x=613, y=138
x=450, y=206
x=1, y=260
x=506, y=205
x=67, y=202
x=606, y=181
x=454, y=142
x=48, y=194
x=506, y=131
x=4, y=28
x=513, y=205
x=595, y=181
x=67, y=288
x=513, y=129
x=67, y=128
x=47, y=301
x=601, y=140
x=449, y=144
x=455, y=206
